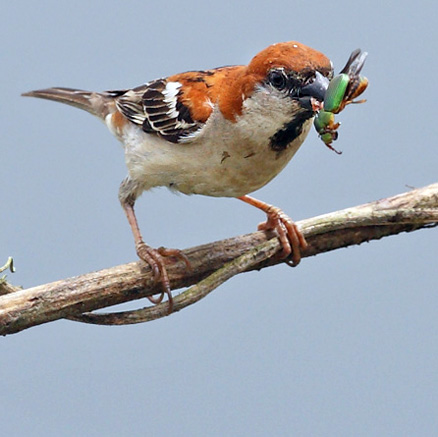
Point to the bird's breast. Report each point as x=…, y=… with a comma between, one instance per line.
x=217, y=162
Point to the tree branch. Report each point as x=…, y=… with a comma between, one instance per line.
x=212, y=264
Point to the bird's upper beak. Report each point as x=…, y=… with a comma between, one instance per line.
x=312, y=94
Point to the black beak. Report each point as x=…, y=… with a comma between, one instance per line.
x=315, y=90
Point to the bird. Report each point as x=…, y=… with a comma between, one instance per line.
x=221, y=132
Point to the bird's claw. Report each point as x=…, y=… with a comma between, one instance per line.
x=291, y=238
x=155, y=259
x=176, y=253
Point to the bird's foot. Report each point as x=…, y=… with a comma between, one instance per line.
x=155, y=259
x=291, y=238
x=176, y=253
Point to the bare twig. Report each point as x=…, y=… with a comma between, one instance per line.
x=217, y=262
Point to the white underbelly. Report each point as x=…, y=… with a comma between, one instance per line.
x=224, y=169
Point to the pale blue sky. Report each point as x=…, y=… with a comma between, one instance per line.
x=345, y=344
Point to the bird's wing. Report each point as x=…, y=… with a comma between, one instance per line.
x=161, y=107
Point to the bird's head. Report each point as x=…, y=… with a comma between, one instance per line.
x=282, y=87
x=293, y=70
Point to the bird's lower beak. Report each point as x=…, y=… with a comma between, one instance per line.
x=312, y=95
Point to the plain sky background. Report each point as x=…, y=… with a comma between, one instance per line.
x=345, y=344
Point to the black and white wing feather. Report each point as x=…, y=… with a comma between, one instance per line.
x=158, y=109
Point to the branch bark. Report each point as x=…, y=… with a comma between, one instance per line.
x=212, y=264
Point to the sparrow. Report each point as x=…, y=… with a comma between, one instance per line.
x=223, y=132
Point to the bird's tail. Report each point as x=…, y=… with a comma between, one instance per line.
x=98, y=104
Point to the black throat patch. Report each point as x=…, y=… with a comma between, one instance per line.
x=291, y=130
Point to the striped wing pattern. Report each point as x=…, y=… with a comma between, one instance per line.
x=157, y=108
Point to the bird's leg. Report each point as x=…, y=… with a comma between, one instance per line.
x=291, y=238
x=151, y=256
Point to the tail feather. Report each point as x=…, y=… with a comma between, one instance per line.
x=92, y=102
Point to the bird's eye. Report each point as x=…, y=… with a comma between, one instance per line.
x=277, y=79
